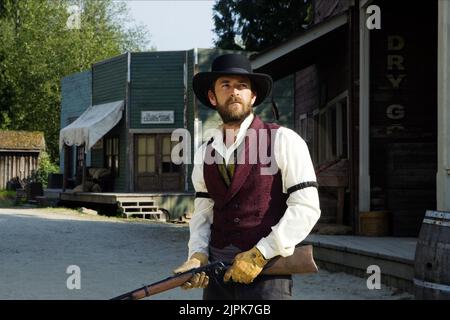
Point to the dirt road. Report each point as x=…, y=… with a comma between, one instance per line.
x=37, y=246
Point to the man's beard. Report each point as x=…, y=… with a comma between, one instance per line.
x=229, y=115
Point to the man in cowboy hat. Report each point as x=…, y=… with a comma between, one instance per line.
x=241, y=215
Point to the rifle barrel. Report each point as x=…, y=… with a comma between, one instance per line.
x=157, y=287
x=212, y=269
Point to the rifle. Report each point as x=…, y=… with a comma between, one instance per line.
x=301, y=262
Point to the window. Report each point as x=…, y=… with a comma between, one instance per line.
x=79, y=163
x=167, y=165
x=80, y=158
x=112, y=154
x=154, y=169
x=304, y=127
x=315, y=142
x=331, y=133
x=146, y=154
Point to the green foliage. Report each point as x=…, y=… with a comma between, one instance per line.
x=7, y=194
x=225, y=26
x=38, y=49
x=46, y=166
x=7, y=198
x=256, y=25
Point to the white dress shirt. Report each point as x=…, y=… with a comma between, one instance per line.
x=295, y=165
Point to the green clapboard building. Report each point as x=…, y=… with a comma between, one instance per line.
x=149, y=95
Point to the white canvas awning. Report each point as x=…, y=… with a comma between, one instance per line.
x=92, y=125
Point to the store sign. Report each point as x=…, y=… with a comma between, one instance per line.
x=157, y=117
x=396, y=74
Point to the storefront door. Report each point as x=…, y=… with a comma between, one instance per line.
x=154, y=170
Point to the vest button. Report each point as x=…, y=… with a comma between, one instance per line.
x=237, y=220
x=236, y=205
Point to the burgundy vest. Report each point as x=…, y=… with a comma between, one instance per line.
x=245, y=212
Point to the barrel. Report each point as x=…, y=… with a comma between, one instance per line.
x=432, y=261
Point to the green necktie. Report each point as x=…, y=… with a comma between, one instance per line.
x=227, y=172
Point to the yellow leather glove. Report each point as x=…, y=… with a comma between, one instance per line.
x=246, y=266
x=199, y=280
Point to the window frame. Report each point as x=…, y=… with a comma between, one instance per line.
x=115, y=157
x=329, y=143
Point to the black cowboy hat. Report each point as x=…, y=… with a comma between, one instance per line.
x=231, y=64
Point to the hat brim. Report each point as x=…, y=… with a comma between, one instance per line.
x=201, y=84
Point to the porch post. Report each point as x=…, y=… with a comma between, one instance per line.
x=443, y=165
x=66, y=166
x=129, y=176
x=364, y=112
x=84, y=169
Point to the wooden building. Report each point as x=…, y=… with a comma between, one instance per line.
x=366, y=103
x=19, y=154
x=147, y=96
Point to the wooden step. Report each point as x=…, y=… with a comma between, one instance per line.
x=140, y=206
x=150, y=207
x=138, y=203
x=135, y=199
x=159, y=215
x=139, y=209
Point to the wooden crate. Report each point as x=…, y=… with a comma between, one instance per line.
x=374, y=223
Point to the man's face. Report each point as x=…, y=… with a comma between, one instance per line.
x=232, y=97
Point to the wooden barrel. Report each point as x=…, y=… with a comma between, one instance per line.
x=432, y=261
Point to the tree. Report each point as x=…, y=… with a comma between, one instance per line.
x=259, y=23
x=225, y=26
x=38, y=48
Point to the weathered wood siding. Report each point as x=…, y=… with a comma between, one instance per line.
x=157, y=85
x=109, y=81
x=403, y=114
x=76, y=91
x=16, y=164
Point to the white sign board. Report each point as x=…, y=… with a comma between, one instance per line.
x=157, y=117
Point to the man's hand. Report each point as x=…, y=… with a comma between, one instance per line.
x=199, y=280
x=246, y=266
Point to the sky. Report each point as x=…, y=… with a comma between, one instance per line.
x=175, y=25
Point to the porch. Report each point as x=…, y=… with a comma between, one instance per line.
x=354, y=254
x=162, y=206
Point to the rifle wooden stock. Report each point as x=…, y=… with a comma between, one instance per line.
x=300, y=262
